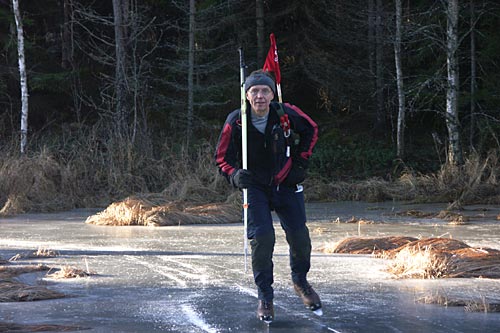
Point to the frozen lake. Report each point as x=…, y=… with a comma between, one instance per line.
x=192, y=278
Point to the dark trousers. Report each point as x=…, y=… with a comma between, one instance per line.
x=289, y=206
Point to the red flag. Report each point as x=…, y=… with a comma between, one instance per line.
x=272, y=64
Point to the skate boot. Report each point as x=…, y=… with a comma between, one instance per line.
x=309, y=297
x=265, y=311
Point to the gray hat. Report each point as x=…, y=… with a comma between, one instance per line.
x=256, y=79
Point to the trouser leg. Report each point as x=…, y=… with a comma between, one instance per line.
x=300, y=254
x=291, y=211
x=262, y=264
x=262, y=239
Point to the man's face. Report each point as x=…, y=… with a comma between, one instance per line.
x=260, y=97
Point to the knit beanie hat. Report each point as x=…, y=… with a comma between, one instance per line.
x=257, y=79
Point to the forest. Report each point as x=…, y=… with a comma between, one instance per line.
x=101, y=100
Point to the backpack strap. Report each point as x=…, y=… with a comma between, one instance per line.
x=280, y=110
x=284, y=121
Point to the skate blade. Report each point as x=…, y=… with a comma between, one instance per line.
x=267, y=320
x=318, y=312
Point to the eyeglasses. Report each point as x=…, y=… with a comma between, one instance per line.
x=264, y=92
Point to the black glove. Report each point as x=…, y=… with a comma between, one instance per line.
x=241, y=178
x=298, y=172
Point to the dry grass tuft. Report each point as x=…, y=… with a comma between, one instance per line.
x=415, y=213
x=444, y=258
x=67, y=272
x=366, y=245
x=359, y=221
x=452, y=217
x=154, y=210
x=421, y=264
x=481, y=305
x=441, y=300
x=40, y=253
x=427, y=258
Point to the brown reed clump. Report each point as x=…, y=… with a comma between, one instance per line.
x=444, y=258
x=9, y=271
x=415, y=213
x=366, y=245
x=67, y=272
x=41, y=252
x=15, y=291
x=12, y=290
x=470, y=305
x=427, y=258
x=156, y=211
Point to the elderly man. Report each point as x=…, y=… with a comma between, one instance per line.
x=276, y=168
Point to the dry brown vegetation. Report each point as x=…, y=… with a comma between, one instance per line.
x=68, y=272
x=474, y=182
x=15, y=291
x=154, y=210
x=426, y=258
x=42, y=252
x=90, y=173
x=366, y=245
x=470, y=305
x=87, y=172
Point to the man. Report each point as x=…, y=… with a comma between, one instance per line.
x=276, y=167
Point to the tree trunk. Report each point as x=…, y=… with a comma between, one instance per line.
x=380, y=114
x=120, y=67
x=66, y=54
x=399, y=82
x=259, y=18
x=455, y=151
x=371, y=37
x=192, y=12
x=473, y=73
x=22, y=76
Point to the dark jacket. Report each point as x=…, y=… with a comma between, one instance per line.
x=267, y=153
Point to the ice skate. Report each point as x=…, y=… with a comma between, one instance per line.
x=309, y=297
x=265, y=311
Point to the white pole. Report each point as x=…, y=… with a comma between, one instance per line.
x=244, y=152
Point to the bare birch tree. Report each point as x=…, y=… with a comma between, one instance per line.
x=452, y=122
x=23, y=79
x=399, y=82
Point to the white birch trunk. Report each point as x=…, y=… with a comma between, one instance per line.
x=399, y=82
x=452, y=122
x=22, y=75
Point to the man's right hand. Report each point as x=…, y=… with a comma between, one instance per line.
x=242, y=178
